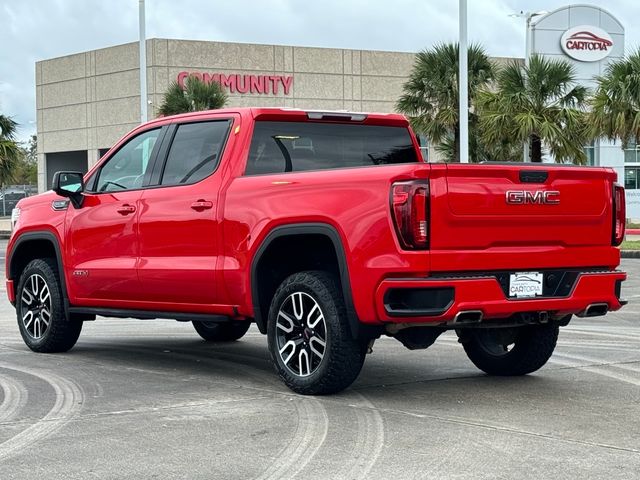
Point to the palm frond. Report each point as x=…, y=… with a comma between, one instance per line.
x=538, y=100
x=195, y=96
x=8, y=127
x=615, y=105
x=430, y=94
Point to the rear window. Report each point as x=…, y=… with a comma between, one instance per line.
x=296, y=147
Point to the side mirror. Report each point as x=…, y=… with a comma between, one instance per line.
x=70, y=185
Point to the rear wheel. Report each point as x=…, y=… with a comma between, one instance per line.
x=222, y=332
x=310, y=342
x=40, y=309
x=510, y=351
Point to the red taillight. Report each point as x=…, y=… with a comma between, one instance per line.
x=409, y=208
x=619, y=218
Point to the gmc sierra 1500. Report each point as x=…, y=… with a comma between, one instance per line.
x=326, y=230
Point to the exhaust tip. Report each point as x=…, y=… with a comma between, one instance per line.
x=468, y=316
x=595, y=310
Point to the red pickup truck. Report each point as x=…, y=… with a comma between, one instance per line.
x=326, y=230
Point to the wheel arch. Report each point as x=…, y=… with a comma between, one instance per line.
x=31, y=245
x=321, y=232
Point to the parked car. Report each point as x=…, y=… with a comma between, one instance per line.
x=326, y=230
x=9, y=198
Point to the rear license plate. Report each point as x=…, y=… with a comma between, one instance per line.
x=525, y=284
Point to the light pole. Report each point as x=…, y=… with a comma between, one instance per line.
x=463, y=83
x=527, y=53
x=143, y=64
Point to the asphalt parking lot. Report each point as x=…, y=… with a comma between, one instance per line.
x=150, y=399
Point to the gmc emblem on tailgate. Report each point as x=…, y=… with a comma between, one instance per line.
x=541, y=197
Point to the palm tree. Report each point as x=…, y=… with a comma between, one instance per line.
x=539, y=103
x=9, y=149
x=479, y=151
x=195, y=96
x=430, y=96
x=615, y=106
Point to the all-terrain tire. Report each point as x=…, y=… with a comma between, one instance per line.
x=532, y=347
x=222, y=332
x=311, y=304
x=40, y=309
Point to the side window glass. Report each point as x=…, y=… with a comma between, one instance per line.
x=278, y=147
x=195, y=152
x=126, y=168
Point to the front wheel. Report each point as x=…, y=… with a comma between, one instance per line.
x=310, y=342
x=510, y=351
x=40, y=309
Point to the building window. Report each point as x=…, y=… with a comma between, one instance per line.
x=632, y=153
x=423, y=141
x=591, y=152
x=632, y=178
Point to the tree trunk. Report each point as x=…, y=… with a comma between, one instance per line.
x=456, y=143
x=536, y=149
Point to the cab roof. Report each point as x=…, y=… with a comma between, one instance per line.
x=293, y=114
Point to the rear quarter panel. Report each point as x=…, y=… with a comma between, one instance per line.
x=354, y=201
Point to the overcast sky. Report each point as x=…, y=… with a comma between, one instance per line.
x=32, y=30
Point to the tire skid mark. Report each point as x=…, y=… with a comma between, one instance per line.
x=311, y=427
x=596, y=344
x=492, y=426
x=310, y=434
x=15, y=397
x=370, y=439
x=601, y=368
x=312, y=419
x=605, y=333
x=632, y=365
x=68, y=403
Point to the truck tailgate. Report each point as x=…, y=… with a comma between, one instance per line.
x=525, y=210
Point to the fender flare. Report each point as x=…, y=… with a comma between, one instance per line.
x=50, y=237
x=305, y=229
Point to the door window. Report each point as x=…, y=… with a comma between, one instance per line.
x=195, y=152
x=125, y=170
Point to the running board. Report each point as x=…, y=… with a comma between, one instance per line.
x=149, y=314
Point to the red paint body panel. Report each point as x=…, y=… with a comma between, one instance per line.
x=358, y=210
x=168, y=256
x=103, y=243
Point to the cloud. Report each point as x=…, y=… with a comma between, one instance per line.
x=38, y=29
